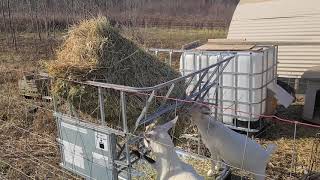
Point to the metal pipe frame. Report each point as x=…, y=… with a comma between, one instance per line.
x=126, y=131
x=157, y=87
x=214, y=74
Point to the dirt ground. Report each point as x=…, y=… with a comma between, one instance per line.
x=28, y=147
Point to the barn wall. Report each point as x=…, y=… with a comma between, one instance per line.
x=281, y=20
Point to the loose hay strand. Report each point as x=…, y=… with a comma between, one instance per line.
x=96, y=51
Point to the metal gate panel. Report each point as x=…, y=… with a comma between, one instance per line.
x=86, y=151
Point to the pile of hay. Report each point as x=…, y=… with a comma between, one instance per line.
x=94, y=50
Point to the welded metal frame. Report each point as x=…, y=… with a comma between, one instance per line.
x=124, y=158
x=259, y=48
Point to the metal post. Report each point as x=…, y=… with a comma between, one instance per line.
x=113, y=142
x=217, y=93
x=293, y=149
x=170, y=58
x=194, y=64
x=296, y=84
x=199, y=75
x=250, y=112
x=221, y=86
x=275, y=62
x=183, y=64
x=55, y=108
x=267, y=67
x=101, y=105
x=207, y=56
x=262, y=87
x=199, y=79
x=125, y=129
x=250, y=91
x=236, y=103
x=54, y=99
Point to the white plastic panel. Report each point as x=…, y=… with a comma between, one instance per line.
x=235, y=81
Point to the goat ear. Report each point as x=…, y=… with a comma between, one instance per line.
x=169, y=124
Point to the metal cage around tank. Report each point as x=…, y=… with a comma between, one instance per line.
x=231, y=110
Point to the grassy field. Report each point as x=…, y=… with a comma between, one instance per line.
x=171, y=38
x=24, y=154
x=34, y=153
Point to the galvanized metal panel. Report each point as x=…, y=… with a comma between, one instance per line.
x=85, y=151
x=281, y=20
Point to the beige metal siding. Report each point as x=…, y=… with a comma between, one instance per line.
x=281, y=20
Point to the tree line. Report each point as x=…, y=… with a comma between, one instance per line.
x=48, y=16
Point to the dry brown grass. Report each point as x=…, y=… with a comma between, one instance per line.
x=27, y=137
x=282, y=134
x=13, y=140
x=13, y=110
x=94, y=50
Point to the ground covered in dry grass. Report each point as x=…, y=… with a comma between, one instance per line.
x=34, y=153
x=28, y=148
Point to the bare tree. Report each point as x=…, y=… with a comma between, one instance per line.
x=36, y=10
x=3, y=16
x=31, y=15
x=53, y=25
x=48, y=13
x=46, y=23
x=12, y=29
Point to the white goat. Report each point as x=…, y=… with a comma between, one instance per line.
x=167, y=162
x=229, y=145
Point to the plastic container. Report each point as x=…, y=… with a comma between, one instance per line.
x=243, y=84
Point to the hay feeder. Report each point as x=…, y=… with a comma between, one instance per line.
x=107, y=89
x=125, y=138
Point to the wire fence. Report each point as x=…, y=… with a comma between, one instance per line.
x=61, y=173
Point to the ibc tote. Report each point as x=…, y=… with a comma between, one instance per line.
x=242, y=94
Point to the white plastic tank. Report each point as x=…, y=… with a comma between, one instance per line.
x=242, y=85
